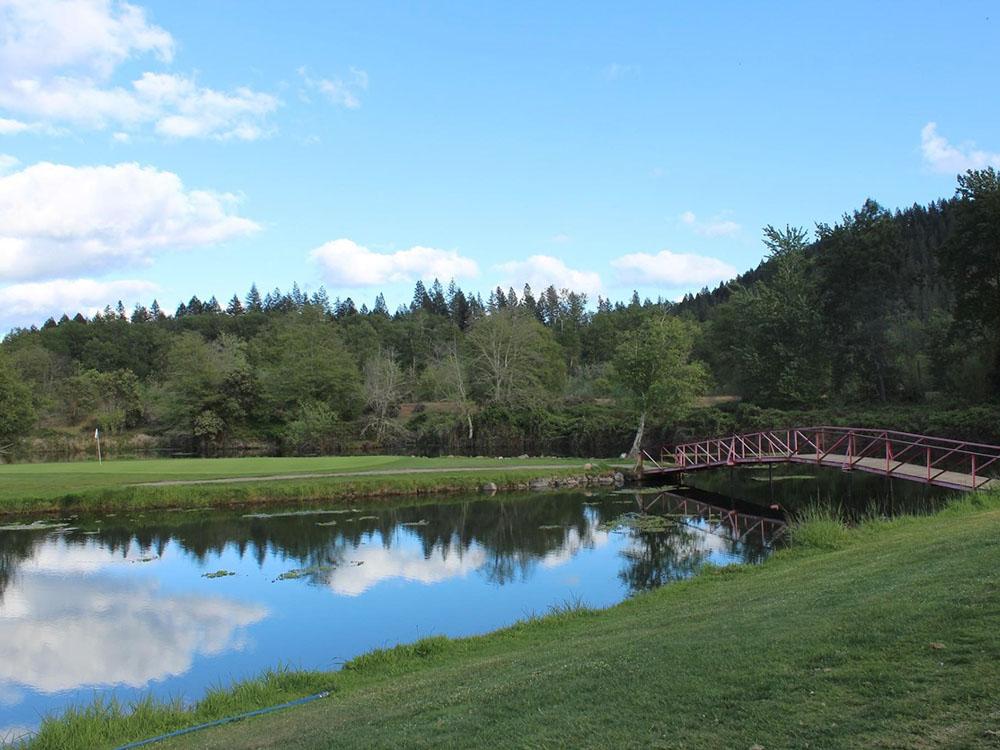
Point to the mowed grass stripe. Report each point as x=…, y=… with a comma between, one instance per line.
x=20, y=483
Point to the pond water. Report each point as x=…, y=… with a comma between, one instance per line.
x=123, y=604
x=795, y=486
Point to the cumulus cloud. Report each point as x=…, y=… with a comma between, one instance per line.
x=343, y=91
x=58, y=57
x=23, y=304
x=346, y=263
x=12, y=127
x=941, y=156
x=7, y=163
x=542, y=271
x=96, y=35
x=671, y=269
x=56, y=220
x=717, y=226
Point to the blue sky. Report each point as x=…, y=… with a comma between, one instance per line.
x=164, y=149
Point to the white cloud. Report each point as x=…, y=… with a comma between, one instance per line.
x=93, y=35
x=56, y=220
x=347, y=263
x=717, y=226
x=672, y=269
x=561, y=239
x=542, y=271
x=121, y=137
x=7, y=163
x=617, y=71
x=57, y=59
x=342, y=91
x=941, y=156
x=12, y=127
x=23, y=304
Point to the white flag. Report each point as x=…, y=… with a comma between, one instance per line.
x=97, y=433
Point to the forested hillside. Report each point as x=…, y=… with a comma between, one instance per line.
x=883, y=309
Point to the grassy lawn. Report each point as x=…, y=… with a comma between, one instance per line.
x=884, y=636
x=61, y=486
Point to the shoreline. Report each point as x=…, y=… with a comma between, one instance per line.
x=237, y=492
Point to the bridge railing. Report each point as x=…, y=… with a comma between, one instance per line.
x=962, y=464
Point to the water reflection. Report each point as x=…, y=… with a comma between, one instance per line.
x=122, y=603
x=60, y=633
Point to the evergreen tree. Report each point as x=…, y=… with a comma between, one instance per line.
x=420, y=299
x=253, y=300
x=438, y=305
x=235, y=307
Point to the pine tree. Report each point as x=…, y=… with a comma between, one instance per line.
x=140, y=314
x=321, y=299
x=253, y=300
x=459, y=310
x=380, y=306
x=420, y=299
x=235, y=307
x=155, y=312
x=437, y=302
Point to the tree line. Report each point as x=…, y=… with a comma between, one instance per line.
x=881, y=307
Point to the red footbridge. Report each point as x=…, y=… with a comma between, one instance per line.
x=956, y=464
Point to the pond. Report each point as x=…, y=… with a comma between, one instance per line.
x=795, y=486
x=173, y=603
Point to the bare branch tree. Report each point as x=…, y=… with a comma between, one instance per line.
x=384, y=385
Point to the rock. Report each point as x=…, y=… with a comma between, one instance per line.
x=619, y=478
x=523, y=456
x=539, y=484
x=605, y=480
x=568, y=482
x=489, y=487
x=588, y=467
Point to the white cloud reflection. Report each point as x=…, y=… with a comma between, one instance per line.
x=379, y=564
x=60, y=633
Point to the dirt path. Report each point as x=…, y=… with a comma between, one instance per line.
x=367, y=473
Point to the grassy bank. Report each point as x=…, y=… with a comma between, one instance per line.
x=168, y=483
x=883, y=635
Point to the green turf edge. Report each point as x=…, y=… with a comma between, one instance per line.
x=106, y=725
x=291, y=491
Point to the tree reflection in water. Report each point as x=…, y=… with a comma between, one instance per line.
x=508, y=535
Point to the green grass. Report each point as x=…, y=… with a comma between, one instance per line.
x=880, y=636
x=50, y=487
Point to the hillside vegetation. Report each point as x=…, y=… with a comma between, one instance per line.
x=881, y=311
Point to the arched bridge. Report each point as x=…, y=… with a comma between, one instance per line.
x=955, y=464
